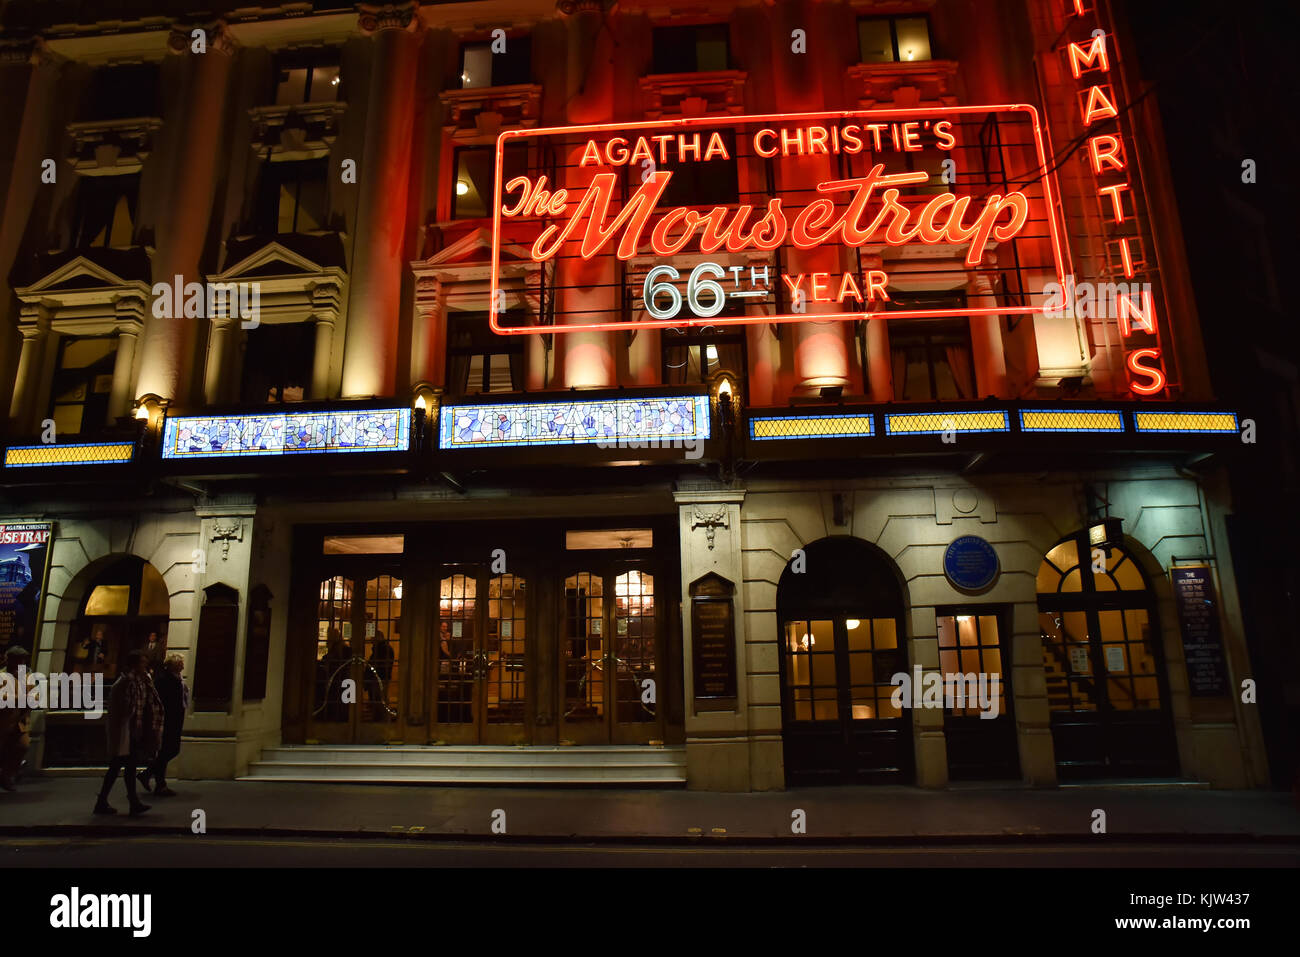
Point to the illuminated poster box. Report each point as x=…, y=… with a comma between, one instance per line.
x=762, y=219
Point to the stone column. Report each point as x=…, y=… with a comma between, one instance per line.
x=214, y=382
x=880, y=367
x=30, y=360
x=383, y=177
x=586, y=287
x=320, y=362
x=429, y=334
x=717, y=742
x=23, y=60
x=986, y=339
x=167, y=357
x=120, y=397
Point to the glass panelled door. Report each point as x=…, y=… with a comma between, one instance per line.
x=358, y=672
x=838, y=700
x=609, y=659
x=481, y=658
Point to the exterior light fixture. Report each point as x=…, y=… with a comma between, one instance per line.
x=462, y=187
x=851, y=623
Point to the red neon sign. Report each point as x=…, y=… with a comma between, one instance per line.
x=608, y=203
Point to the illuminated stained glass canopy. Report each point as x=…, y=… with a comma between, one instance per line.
x=281, y=433
x=608, y=423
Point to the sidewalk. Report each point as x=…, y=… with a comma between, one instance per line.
x=62, y=805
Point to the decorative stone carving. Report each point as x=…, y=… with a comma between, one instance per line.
x=694, y=94
x=710, y=518
x=300, y=130
x=226, y=532
x=388, y=16
x=102, y=147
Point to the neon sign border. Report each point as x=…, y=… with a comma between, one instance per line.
x=1045, y=178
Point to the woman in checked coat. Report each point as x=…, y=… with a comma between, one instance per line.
x=135, y=725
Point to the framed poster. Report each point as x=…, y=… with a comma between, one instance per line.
x=24, y=547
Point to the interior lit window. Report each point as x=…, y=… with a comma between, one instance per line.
x=595, y=538
x=893, y=39
x=480, y=66
x=104, y=214
x=480, y=361
x=694, y=355
x=474, y=185
x=307, y=77
x=277, y=362
x=292, y=197
x=364, y=544
x=83, y=381
x=969, y=643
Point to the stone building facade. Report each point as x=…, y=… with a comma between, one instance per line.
x=298, y=492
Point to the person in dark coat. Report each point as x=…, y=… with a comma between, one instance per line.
x=175, y=696
x=135, y=723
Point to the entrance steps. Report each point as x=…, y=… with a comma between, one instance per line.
x=615, y=765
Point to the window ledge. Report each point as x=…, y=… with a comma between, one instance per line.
x=719, y=92
x=902, y=84
x=112, y=147
x=485, y=110
x=295, y=131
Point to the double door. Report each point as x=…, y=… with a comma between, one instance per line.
x=841, y=722
x=467, y=656
x=573, y=661
x=357, y=669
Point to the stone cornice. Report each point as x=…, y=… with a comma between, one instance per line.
x=375, y=18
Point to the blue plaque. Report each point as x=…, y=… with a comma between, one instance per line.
x=971, y=564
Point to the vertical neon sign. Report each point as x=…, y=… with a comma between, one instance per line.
x=1111, y=164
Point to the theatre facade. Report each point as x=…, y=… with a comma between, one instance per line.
x=533, y=393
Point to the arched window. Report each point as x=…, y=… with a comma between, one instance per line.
x=1103, y=663
x=125, y=603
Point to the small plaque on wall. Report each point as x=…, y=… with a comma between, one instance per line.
x=713, y=644
x=1198, y=621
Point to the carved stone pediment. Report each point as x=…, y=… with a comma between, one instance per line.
x=481, y=113
x=110, y=147
x=297, y=131
x=714, y=93
x=905, y=85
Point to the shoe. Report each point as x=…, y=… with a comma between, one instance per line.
x=164, y=792
x=103, y=807
x=138, y=809
x=143, y=778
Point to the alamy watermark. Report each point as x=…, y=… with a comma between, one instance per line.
x=1096, y=300
x=953, y=691
x=208, y=300
x=55, y=692
x=693, y=447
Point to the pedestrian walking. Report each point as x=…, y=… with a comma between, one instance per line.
x=175, y=697
x=135, y=724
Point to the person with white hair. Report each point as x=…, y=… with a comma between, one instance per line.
x=175, y=697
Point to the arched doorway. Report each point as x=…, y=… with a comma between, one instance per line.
x=123, y=599
x=124, y=603
x=1107, y=690
x=840, y=610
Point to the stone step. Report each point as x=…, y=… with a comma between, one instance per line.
x=478, y=756
x=621, y=765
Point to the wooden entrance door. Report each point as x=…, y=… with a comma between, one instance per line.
x=481, y=658
x=610, y=657
x=357, y=669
